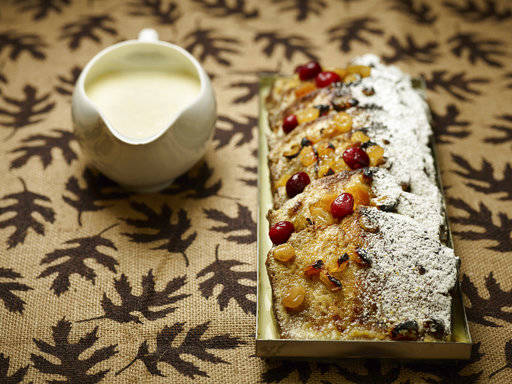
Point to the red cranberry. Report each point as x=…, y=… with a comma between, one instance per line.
x=323, y=79
x=309, y=70
x=289, y=123
x=356, y=158
x=342, y=206
x=280, y=232
x=297, y=183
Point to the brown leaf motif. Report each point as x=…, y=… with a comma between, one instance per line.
x=353, y=31
x=85, y=248
x=292, y=44
x=420, y=13
x=233, y=226
x=16, y=377
x=229, y=128
x=149, y=298
x=476, y=11
x=208, y=44
x=508, y=359
x=12, y=301
x=170, y=236
x=42, y=8
x=98, y=189
x=22, y=42
x=486, y=311
x=477, y=49
x=251, y=88
x=302, y=8
x=194, y=344
x=456, y=85
x=41, y=147
x=87, y=27
x=67, y=82
x=484, y=177
x=447, y=125
x=501, y=128
x=71, y=367
x=25, y=111
x=223, y=8
x=162, y=13
x=411, y=50
x=375, y=373
x=194, y=183
x=500, y=234
x=222, y=274
x=26, y=205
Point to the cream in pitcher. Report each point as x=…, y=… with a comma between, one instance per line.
x=139, y=103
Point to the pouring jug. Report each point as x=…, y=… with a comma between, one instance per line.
x=151, y=163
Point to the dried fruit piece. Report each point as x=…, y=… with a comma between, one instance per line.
x=292, y=152
x=369, y=91
x=282, y=181
x=290, y=123
x=356, y=158
x=321, y=216
x=295, y=297
x=322, y=108
x=304, y=89
x=376, y=155
x=280, y=232
x=309, y=70
x=361, y=70
x=342, y=262
x=325, y=149
x=325, y=170
x=307, y=156
x=314, y=269
x=435, y=328
x=341, y=72
x=324, y=79
x=351, y=78
x=342, y=206
x=305, y=142
x=284, y=253
x=408, y=330
x=341, y=122
x=359, y=136
x=330, y=281
x=306, y=115
x=344, y=104
x=360, y=193
x=363, y=258
x=297, y=183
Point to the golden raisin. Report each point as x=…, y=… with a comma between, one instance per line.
x=330, y=281
x=341, y=72
x=341, y=122
x=361, y=70
x=306, y=115
x=284, y=253
x=360, y=194
x=325, y=201
x=325, y=170
x=351, y=77
x=307, y=156
x=304, y=89
x=282, y=181
x=325, y=149
x=359, y=136
x=321, y=216
x=376, y=155
x=339, y=165
x=294, y=298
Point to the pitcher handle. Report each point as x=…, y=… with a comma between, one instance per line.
x=148, y=34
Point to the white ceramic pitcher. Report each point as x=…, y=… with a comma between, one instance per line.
x=152, y=163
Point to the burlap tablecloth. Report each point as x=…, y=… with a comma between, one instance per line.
x=98, y=285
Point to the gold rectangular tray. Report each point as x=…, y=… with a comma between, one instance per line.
x=268, y=342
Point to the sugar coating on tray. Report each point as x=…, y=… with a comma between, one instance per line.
x=354, y=188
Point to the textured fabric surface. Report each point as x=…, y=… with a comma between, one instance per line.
x=99, y=285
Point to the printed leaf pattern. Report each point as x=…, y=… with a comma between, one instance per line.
x=486, y=311
x=16, y=377
x=98, y=189
x=71, y=367
x=25, y=111
x=287, y=368
x=374, y=374
x=477, y=49
x=411, y=50
x=484, y=176
x=348, y=32
x=11, y=300
x=161, y=12
x=143, y=303
x=209, y=44
x=478, y=11
x=194, y=344
x=251, y=88
x=43, y=147
x=448, y=125
x=194, y=183
x=245, y=131
x=68, y=82
x=421, y=13
x=88, y=27
x=171, y=236
x=500, y=234
x=85, y=248
x=508, y=357
x=221, y=8
x=27, y=203
x=302, y=8
x=42, y=8
x=242, y=222
x=501, y=128
x=456, y=85
x=17, y=43
x=291, y=44
x=222, y=273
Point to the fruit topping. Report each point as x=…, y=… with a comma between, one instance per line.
x=324, y=79
x=314, y=269
x=304, y=89
x=369, y=91
x=305, y=142
x=297, y=183
x=361, y=70
x=308, y=114
x=307, y=156
x=363, y=258
x=341, y=123
x=284, y=253
x=309, y=70
x=330, y=281
x=342, y=206
x=322, y=109
x=356, y=158
x=289, y=123
x=292, y=152
x=280, y=232
x=294, y=298
x=408, y=330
